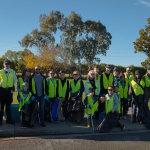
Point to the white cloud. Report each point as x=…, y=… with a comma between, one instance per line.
x=143, y=2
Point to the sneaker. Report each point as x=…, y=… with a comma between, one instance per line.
x=88, y=126
x=23, y=126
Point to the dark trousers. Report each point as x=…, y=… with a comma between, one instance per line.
x=124, y=103
x=6, y=98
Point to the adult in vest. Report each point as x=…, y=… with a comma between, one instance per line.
x=24, y=78
x=129, y=76
x=147, y=85
x=123, y=90
x=76, y=89
x=62, y=93
x=8, y=79
x=107, y=80
x=137, y=91
x=38, y=88
x=52, y=85
x=97, y=75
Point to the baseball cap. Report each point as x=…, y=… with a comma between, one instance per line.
x=6, y=61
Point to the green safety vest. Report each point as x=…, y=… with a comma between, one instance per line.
x=96, y=84
x=24, y=101
x=93, y=106
x=109, y=104
x=74, y=87
x=20, y=83
x=34, y=87
x=99, y=78
x=52, y=88
x=62, y=89
x=130, y=78
x=137, y=88
x=7, y=81
x=107, y=82
x=147, y=81
x=123, y=91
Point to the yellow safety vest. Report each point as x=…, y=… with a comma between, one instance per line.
x=96, y=90
x=20, y=83
x=74, y=87
x=34, y=87
x=24, y=101
x=147, y=81
x=62, y=89
x=109, y=104
x=130, y=78
x=93, y=105
x=7, y=81
x=136, y=88
x=107, y=82
x=52, y=88
x=123, y=91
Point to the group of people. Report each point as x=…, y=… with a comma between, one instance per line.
x=107, y=96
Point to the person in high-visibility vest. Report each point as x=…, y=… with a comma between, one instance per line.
x=75, y=104
x=38, y=88
x=8, y=79
x=91, y=105
x=62, y=94
x=123, y=90
x=52, y=85
x=116, y=76
x=24, y=78
x=107, y=80
x=136, y=90
x=147, y=85
x=25, y=97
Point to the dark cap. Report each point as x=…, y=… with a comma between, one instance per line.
x=102, y=95
x=116, y=69
x=137, y=72
x=6, y=61
x=148, y=67
x=24, y=71
x=107, y=66
x=91, y=90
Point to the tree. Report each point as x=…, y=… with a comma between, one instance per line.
x=142, y=44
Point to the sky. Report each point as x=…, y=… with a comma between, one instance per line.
x=122, y=18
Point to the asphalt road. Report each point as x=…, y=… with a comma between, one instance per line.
x=118, y=141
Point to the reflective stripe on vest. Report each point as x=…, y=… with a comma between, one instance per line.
x=109, y=104
x=62, y=89
x=52, y=88
x=7, y=81
x=147, y=81
x=123, y=91
x=93, y=106
x=24, y=101
x=136, y=88
x=107, y=82
x=20, y=83
x=76, y=87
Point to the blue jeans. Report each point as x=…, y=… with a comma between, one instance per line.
x=41, y=101
x=101, y=116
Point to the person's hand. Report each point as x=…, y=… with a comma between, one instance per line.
x=113, y=111
x=47, y=97
x=19, y=90
x=33, y=98
x=20, y=99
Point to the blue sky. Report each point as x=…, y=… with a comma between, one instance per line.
x=122, y=18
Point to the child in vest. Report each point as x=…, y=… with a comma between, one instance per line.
x=24, y=98
x=101, y=107
x=91, y=106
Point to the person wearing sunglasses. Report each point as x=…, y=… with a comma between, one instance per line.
x=38, y=88
x=107, y=79
x=75, y=101
x=136, y=90
x=147, y=85
x=8, y=79
x=111, y=109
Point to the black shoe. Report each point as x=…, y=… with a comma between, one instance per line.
x=10, y=122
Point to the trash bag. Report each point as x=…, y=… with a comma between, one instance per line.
x=47, y=111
